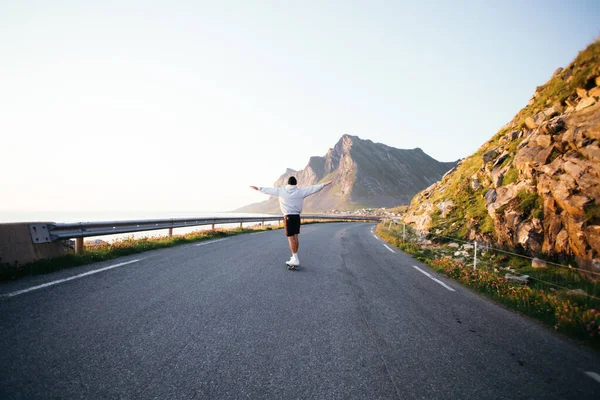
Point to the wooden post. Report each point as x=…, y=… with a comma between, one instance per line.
x=262, y=224
x=213, y=227
x=79, y=245
x=170, y=232
x=241, y=225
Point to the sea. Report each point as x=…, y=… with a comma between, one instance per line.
x=95, y=216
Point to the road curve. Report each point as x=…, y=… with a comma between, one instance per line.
x=227, y=320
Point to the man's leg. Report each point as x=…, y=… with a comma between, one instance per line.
x=296, y=244
x=292, y=243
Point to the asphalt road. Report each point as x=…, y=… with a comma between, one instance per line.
x=227, y=320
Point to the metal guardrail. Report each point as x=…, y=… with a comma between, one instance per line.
x=45, y=232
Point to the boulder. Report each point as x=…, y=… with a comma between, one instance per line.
x=467, y=246
x=523, y=279
x=575, y=204
x=475, y=184
x=552, y=228
x=539, y=118
x=536, y=263
x=552, y=168
x=529, y=237
x=552, y=111
x=543, y=156
x=592, y=234
x=574, y=168
x=420, y=222
x=453, y=245
x=558, y=71
x=561, y=244
x=498, y=176
x=588, y=101
x=592, y=152
x=595, y=92
x=445, y=207
x=490, y=156
x=500, y=159
x=526, y=157
x=530, y=123
x=554, y=126
x=543, y=140
x=577, y=244
x=588, y=183
x=513, y=135
x=490, y=197
x=581, y=92
x=505, y=194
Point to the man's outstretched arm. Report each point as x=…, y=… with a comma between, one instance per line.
x=271, y=191
x=307, y=191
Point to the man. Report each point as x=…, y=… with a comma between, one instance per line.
x=291, y=199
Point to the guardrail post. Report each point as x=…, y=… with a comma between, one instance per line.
x=262, y=224
x=475, y=256
x=79, y=245
x=213, y=227
x=170, y=232
x=241, y=225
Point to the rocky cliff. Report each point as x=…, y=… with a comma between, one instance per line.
x=535, y=186
x=365, y=175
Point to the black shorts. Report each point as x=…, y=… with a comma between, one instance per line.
x=291, y=223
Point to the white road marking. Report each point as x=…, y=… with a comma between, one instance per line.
x=18, y=292
x=593, y=375
x=389, y=248
x=434, y=279
x=375, y=236
x=212, y=241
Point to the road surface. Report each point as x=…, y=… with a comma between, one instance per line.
x=226, y=320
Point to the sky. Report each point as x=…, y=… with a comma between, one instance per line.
x=181, y=105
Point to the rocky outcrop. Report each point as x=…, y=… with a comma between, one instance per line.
x=365, y=174
x=535, y=186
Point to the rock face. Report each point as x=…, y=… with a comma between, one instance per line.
x=535, y=186
x=365, y=174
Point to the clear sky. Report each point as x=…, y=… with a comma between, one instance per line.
x=181, y=105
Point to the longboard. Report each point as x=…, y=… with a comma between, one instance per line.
x=292, y=267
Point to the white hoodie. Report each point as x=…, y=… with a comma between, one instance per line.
x=291, y=198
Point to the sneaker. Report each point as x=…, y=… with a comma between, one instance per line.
x=294, y=262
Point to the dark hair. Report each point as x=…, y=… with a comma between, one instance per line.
x=292, y=180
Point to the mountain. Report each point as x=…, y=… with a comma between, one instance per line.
x=535, y=185
x=365, y=175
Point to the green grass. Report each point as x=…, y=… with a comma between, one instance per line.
x=592, y=214
x=511, y=176
x=530, y=203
